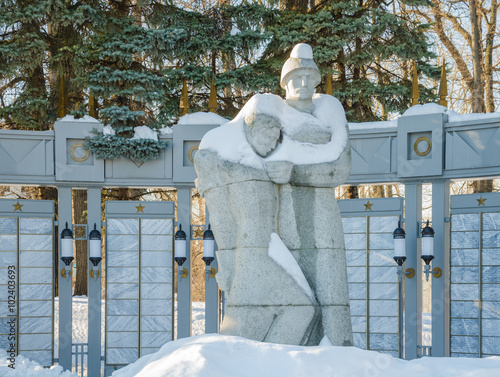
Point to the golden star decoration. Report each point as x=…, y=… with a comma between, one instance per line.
x=17, y=207
x=481, y=201
x=368, y=206
x=140, y=208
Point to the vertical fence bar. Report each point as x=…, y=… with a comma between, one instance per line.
x=94, y=290
x=211, y=293
x=367, y=251
x=400, y=316
x=440, y=306
x=65, y=285
x=18, y=284
x=184, y=284
x=400, y=310
x=480, y=281
x=211, y=301
x=413, y=217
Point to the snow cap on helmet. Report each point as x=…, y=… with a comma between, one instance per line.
x=301, y=57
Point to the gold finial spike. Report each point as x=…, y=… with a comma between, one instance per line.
x=63, y=99
x=93, y=107
x=184, y=106
x=328, y=84
x=212, y=100
x=443, y=87
x=415, y=95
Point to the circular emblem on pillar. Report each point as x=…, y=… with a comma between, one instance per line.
x=191, y=152
x=422, y=146
x=79, y=153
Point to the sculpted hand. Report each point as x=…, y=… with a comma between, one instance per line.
x=280, y=172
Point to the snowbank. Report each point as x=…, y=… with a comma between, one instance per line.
x=202, y=118
x=26, y=367
x=226, y=356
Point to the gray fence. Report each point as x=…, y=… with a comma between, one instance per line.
x=139, y=279
x=475, y=275
x=421, y=149
x=26, y=278
x=373, y=281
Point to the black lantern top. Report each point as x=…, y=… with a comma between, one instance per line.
x=208, y=234
x=180, y=234
x=399, y=232
x=95, y=234
x=67, y=233
x=427, y=231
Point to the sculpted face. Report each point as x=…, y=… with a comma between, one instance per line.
x=263, y=133
x=301, y=85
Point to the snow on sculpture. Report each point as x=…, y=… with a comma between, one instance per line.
x=268, y=178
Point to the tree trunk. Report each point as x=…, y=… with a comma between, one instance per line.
x=488, y=58
x=482, y=186
x=352, y=192
x=478, y=88
x=79, y=207
x=377, y=191
x=123, y=194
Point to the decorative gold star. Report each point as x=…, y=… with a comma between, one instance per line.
x=368, y=206
x=481, y=201
x=140, y=208
x=17, y=207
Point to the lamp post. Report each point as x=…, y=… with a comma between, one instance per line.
x=209, y=251
x=428, y=252
x=399, y=236
x=66, y=251
x=180, y=250
x=95, y=251
x=208, y=246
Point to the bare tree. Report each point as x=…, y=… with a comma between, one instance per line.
x=468, y=31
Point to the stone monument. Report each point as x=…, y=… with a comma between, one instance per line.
x=268, y=178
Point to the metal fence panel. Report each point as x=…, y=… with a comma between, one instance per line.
x=139, y=279
x=373, y=281
x=475, y=275
x=26, y=278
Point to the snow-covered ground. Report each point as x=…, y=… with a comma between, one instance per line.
x=80, y=326
x=225, y=356
x=24, y=367
x=221, y=356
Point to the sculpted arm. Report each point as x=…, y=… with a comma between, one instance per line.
x=328, y=174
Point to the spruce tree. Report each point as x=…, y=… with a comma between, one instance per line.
x=225, y=40
x=39, y=41
x=122, y=75
x=368, y=47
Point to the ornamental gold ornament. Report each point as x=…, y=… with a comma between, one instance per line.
x=76, y=158
x=193, y=149
x=429, y=146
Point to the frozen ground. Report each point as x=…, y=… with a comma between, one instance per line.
x=196, y=356
x=225, y=356
x=24, y=367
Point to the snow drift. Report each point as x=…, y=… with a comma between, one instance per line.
x=25, y=367
x=226, y=356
